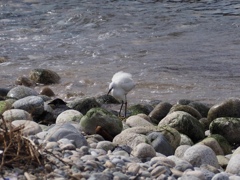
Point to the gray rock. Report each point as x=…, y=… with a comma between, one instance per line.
x=201, y=154
x=185, y=124
x=143, y=151
x=164, y=161
x=69, y=116
x=32, y=104
x=30, y=127
x=106, y=145
x=67, y=131
x=159, y=112
x=98, y=117
x=185, y=140
x=140, y=109
x=16, y=114
x=181, y=164
x=44, y=76
x=233, y=166
x=136, y=135
x=226, y=147
x=179, y=152
x=220, y=176
x=228, y=108
x=84, y=105
x=160, y=143
x=21, y=92
x=228, y=127
x=135, y=120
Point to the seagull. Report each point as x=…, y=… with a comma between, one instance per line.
x=121, y=84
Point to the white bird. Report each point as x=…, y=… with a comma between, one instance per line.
x=121, y=84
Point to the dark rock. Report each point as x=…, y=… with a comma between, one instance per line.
x=185, y=124
x=160, y=143
x=84, y=105
x=99, y=117
x=228, y=127
x=159, y=112
x=228, y=108
x=140, y=109
x=47, y=91
x=44, y=76
x=24, y=81
x=107, y=99
x=186, y=108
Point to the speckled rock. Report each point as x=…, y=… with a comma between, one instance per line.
x=234, y=165
x=30, y=127
x=181, y=164
x=135, y=120
x=69, y=116
x=228, y=108
x=179, y=152
x=143, y=151
x=21, y=92
x=16, y=114
x=221, y=176
x=185, y=140
x=159, y=112
x=98, y=117
x=201, y=154
x=32, y=104
x=44, y=76
x=228, y=127
x=84, y=105
x=185, y=124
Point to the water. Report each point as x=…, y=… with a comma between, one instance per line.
x=175, y=49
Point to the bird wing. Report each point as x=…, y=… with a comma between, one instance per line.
x=123, y=80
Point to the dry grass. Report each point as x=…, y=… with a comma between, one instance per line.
x=15, y=149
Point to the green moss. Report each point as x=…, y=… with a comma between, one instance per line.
x=226, y=147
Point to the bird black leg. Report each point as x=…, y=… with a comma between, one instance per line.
x=119, y=114
x=126, y=109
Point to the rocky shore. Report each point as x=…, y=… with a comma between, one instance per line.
x=43, y=137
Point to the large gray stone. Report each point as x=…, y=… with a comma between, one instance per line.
x=68, y=131
x=21, y=92
x=201, y=154
x=32, y=104
x=233, y=166
x=29, y=127
x=16, y=114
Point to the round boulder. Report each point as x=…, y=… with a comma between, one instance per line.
x=135, y=120
x=16, y=114
x=228, y=127
x=198, y=155
x=44, y=76
x=228, y=108
x=99, y=117
x=233, y=166
x=143, y=151
x=186, y=108
x=69, y=116
x=159, y=112
x=185, y=124
x=32, y=104
x=21, y=92
x=29, y=127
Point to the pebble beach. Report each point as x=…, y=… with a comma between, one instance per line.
x=85, y=139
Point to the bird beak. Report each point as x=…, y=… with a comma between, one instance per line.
x=109, y=91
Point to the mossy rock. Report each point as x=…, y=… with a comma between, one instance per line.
x=103, y=118
x=84, y=105
x=140, y=109
x=185, y=124
x=228, y=127
x=4, y=105
x=226, y=147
